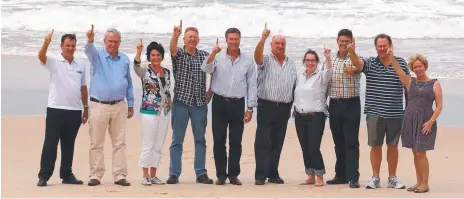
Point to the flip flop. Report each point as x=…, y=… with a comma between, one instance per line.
x=411, y=188
x=421, y=190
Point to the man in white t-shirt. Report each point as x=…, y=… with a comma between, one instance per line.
x=67, y=96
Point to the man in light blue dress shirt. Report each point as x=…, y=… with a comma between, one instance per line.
x=110, y=84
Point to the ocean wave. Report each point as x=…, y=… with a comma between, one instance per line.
x=321, y=19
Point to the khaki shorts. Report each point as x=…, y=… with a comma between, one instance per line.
x=378, y=127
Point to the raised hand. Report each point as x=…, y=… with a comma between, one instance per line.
x=90, y=35
x=351, y=47
x=349, y=70
x=140, y=46
x=327, y=53
x=216, y=48
x=177, y=30
x=48, y=38
x=266, y=32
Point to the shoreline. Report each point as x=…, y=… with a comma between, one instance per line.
x=20, y=167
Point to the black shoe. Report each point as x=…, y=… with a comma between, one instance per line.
x=42, y=183
x=235, y=181
x=172, y=180
x=204, y=179
x=277, y=180
x=72, y=180
x=337, y=180
x=354, y=184
x=260, y=182
x=220, y=181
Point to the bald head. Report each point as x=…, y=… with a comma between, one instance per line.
x=279, y=38
x=278, y=44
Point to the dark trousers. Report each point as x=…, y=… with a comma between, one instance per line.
x=227, y=112
x=272, y=119
x=310, y=129
x=345, y=116
x=60, y=126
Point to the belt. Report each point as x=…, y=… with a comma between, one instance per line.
x=307, y=114
x=105, y=102
x=228, y=99
x=272, y=102
x=339, y=100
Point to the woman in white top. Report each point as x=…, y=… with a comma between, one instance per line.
x=155, y=109
x=310, y=113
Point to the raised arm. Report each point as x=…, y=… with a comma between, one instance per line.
x=328, y=71
x=404, y=78
x=175, y=36
x=355, y=59
x=210, y=63
x=139, y=70
x=43, y=50
x=90, y=49
x=259, y=58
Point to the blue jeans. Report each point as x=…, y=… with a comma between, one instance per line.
x=180, y=116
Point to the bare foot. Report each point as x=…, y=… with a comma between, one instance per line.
x=309, y=180
x=319, y=181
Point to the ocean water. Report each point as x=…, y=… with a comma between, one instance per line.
x=434, y=28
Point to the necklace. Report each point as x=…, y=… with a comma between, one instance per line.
x=420, y=87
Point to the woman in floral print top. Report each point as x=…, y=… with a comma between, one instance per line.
x=155, y=109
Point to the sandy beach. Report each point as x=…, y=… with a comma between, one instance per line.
x=22, y=138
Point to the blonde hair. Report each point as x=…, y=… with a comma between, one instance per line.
x=418, y=57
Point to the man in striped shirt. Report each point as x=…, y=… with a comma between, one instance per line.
x=234, y=79
x=345, y=113
x=383, y=108
x=276, y=83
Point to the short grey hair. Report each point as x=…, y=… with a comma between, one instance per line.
x=113, y=30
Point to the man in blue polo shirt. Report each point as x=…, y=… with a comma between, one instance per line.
x=111, y=83
x=383, y=108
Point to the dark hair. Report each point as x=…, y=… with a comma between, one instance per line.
x=233, y=30
x=383, y=36
x=68, y=36
x=155, y=46
x=310, y=51
x=345, y=32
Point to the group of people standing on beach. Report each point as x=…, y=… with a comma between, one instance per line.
x=240, y=84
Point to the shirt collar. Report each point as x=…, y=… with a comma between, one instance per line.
x=107, y=54
x=185, y=51
x=312, y=74
x=285, y=56
x=62, y=59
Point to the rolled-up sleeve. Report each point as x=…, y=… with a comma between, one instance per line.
x=130, y=89
x=252, y=86
x=208, y=68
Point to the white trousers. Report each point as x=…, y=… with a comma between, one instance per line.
x=154, y=130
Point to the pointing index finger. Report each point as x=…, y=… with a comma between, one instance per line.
x=265, y=26
x=217, y=42
x=180, y=24
x=91, y=29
